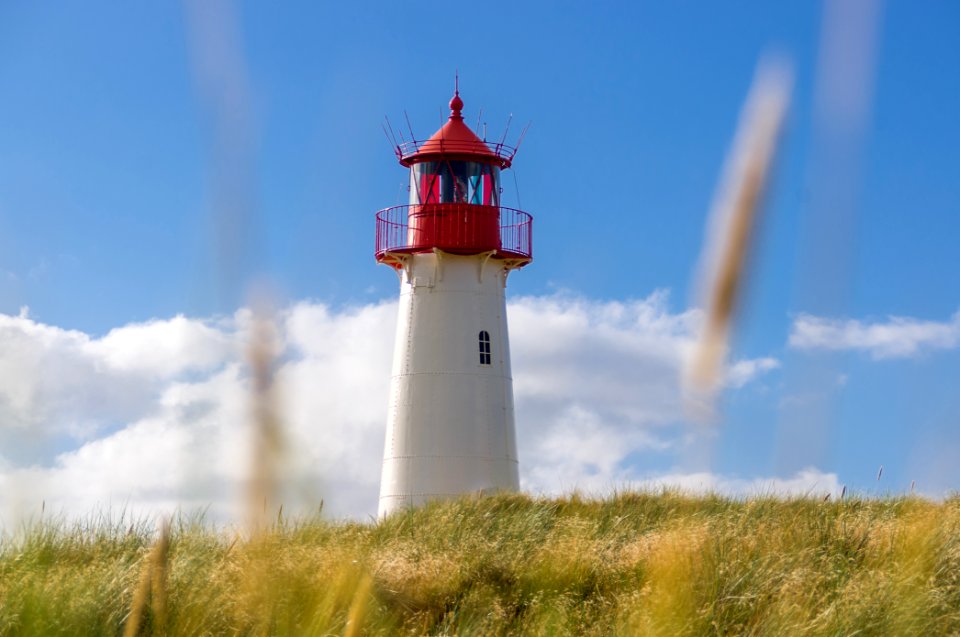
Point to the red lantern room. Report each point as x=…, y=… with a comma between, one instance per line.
x=454, y=199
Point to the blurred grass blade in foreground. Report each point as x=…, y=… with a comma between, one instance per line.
x=268, y=441
x=152, y=583
x=730, y=232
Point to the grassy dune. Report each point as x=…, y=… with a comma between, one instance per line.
x=632, y=564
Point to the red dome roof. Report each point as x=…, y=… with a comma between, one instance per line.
x=455, y=140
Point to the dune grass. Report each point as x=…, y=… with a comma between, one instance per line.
x=630, y=564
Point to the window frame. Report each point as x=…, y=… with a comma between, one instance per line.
x=486, y=348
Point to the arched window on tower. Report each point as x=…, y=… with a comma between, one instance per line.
x=484, y=347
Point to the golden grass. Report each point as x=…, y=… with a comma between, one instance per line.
x=631, y=564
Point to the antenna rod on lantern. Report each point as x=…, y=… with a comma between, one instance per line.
x=523, y=134
x=409, y=127
x=392, y=136
x=387, y=135
x=505, y=130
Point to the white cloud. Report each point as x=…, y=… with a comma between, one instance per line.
x=742, y=372
x=164, y=348
x=156, y=415
x=50, y=383
x=808, y=482
x=897, y=337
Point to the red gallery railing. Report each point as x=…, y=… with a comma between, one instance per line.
x=458, y=228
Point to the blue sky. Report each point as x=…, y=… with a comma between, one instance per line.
x=125, y=128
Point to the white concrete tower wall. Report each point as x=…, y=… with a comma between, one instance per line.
x=450, y=428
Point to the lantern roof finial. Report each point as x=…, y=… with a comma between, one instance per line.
x=456, y=104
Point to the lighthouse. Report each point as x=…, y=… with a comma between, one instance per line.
x=450, y=423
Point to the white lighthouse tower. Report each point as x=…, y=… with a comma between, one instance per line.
x=450, y=427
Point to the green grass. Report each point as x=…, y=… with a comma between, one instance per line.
x=631, y=564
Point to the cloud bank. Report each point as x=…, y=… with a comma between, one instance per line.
x=155, y=416
x=896, y=337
